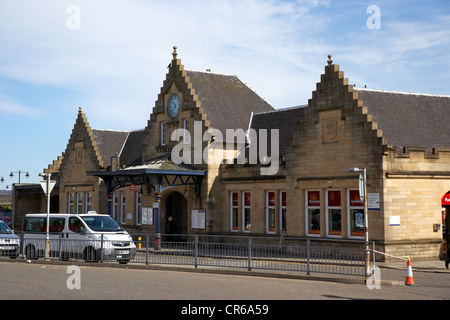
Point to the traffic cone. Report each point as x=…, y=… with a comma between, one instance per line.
x=409, y=281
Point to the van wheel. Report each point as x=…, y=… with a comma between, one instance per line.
x=90, y=255
x=30, y=252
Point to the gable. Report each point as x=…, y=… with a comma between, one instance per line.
x=216, y=101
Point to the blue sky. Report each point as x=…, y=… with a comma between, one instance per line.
x=110, y=57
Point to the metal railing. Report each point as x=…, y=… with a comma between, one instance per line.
x=305, y=255
x=251, y=252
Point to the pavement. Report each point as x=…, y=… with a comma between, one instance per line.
x=416, y=265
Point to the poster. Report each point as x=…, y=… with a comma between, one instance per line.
x=198, y=219
x=147, y=215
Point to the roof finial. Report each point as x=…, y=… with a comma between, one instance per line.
x=79, y=110
x=329, y=60
x=174, y=53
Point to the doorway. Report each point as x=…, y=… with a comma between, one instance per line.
x=176, y=207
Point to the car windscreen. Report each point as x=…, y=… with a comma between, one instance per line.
x=102, y=223
x=4, y=229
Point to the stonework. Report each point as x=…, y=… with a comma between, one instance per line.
x=312, y=194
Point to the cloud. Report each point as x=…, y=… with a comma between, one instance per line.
x=9, y=107
x=13, y=108
x=116, y=61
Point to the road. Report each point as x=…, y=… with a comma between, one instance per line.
x=47, y=281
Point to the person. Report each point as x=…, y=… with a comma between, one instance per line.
x=171, y=228
x=447, y=261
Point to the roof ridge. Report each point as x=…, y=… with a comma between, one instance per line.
x=281, y=109
x=112, y=130
x=214, y=73
x=402, y=92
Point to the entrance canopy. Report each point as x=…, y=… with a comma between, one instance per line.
x=159, y=174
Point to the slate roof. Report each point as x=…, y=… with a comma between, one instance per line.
x=409, y=119
x=285, y=120
x=227, y=101
x=131, y=153
x=126, y=144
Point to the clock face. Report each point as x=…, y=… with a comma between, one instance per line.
x=173, y=107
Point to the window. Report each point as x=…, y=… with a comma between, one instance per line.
x=334, y=218
x=88, y=202
x=234, y=211
x=138, y=208
x=70, y=203
x=123, y=203
x=79, y=203
x=283, y=211
x=270, y=212
x=75, y=225
x=115, y=205
x=313, y=213
x=186, y=134
x=163, y=133
x=39, y=224
x=246, y=211
x=355, y=206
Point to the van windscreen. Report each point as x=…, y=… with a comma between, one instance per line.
x=102, y=223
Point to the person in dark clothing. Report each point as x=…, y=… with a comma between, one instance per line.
x=171, y=228
x=447, y=261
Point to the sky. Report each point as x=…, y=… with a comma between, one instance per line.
x=110, y=58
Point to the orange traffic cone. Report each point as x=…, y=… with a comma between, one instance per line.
x=409, y=281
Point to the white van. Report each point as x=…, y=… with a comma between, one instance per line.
x=80, y=236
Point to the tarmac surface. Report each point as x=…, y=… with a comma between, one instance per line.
x=430, y=266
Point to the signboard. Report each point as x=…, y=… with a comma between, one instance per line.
x=394, y=220
x=198, y=219
x=50, y=187
x=446, y=199
x=373, y=201
x=313, y=198
x=362, y=186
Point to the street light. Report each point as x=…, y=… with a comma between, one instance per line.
x=19, y=172
x=363, y=196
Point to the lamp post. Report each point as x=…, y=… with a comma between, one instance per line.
x=19, y=172
x=363, y=196
x=47, y=237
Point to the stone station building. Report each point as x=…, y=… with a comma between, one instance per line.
x=401, y=139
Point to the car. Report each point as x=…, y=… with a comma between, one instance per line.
x=91, y=237
x=9, y=242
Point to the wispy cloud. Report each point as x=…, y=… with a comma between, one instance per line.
x=15, y=108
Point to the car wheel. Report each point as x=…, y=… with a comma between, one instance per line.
x=89, y=255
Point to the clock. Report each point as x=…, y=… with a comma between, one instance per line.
x=173, y=106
